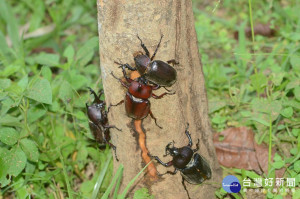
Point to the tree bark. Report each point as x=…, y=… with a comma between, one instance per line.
x=119, y=22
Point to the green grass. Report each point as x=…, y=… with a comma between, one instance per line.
x=46, y=148
x=254, y=82
x=43, y=90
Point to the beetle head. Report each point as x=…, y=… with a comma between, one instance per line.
x=142, y=80
x=173, y=151
x=141, y=62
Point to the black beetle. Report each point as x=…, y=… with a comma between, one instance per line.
x=192, y=166
x=157, y=72
x=98, y=120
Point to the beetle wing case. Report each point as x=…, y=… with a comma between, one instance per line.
x=161, y=73
x=136, y=108
x=197, y=170
x=97, y=132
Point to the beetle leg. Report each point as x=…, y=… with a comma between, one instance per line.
x=143, y=46
x=197, y=146
x=157, y=47
x=160, y=96
x=156, y=86
x=172, y=172
x=123, y=84
x=166, y=89
x=173, y=61
x=112, y=146
x=151, y=114
x=120, y=102
x=168, y=164
x=92, y=91
x=126, y=66
x=185, y=188
x=169, y=172
x=188, y=135
x=123, y=66
x=112, y=127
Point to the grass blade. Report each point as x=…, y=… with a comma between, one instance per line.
x=117, y=188
x=117, y=175
x=65, y=175
x=11, y=23
x=101, y=177
x=122, y=196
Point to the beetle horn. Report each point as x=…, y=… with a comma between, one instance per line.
x=168, y=148
x=97, y=99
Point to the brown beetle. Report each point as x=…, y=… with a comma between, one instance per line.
x=98, y=120
x=136, y=100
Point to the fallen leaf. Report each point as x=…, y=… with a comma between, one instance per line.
x=238, y=149
x=43, y=49
x=258, y=29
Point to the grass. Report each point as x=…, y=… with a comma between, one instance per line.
x=254, y=82
x=46, y=148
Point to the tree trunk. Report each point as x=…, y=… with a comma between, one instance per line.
x=119, y=22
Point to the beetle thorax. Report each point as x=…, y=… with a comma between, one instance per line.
x=139, y=90
x=183, y=158
x=95, y=113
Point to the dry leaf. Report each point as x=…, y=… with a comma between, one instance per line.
x=43, y=49
x=259, y=29
x=239, y=150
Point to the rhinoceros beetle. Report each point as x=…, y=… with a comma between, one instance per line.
x=157, y=72
x=136, y=100
x=98, y=121
x=192, y=166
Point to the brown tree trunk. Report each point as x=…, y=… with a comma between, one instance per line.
x=119, y=22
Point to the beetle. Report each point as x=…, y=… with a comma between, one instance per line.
x=192, y=166
x=136, y=100
x=98, y=121
x=157, y=71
